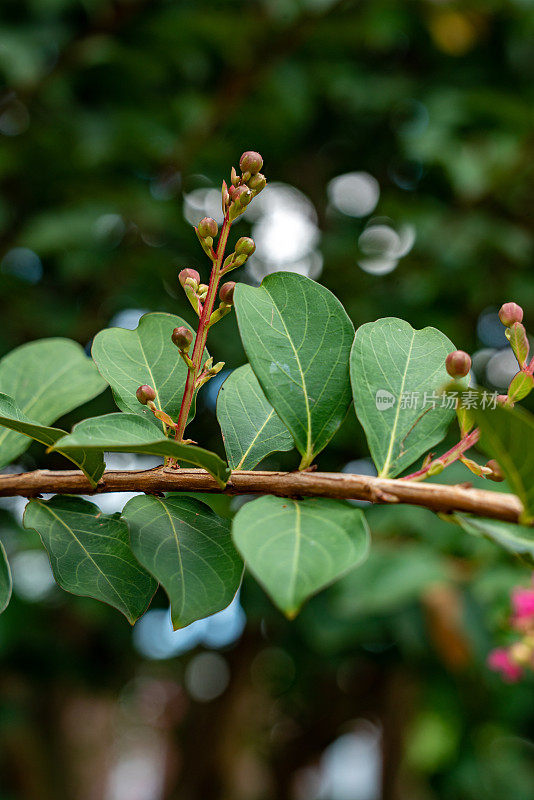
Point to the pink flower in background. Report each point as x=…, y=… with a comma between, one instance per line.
x=499, y=661
x=523, y=605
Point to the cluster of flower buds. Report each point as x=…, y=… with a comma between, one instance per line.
x=244, y=187
x=195, y=291
x=513, y=660
x=182, y=337
x=244, y=248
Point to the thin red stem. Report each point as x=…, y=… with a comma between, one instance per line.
x=449, y=457
x=202, y=331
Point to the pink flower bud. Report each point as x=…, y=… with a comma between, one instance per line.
x=499, y=661
x=226, y=292
x=207, y=227
x=458, y=364
x=188, y=273
x=245, y=246
x=145, y=394
x=182, y=338
x=510, y=313
x=251, y=162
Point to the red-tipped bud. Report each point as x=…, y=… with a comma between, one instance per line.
x=251, y=162
x=207, y=227
x=510, y=313
x=257, y=182
x=226, y=292
x=458, y=364
x=188, y=273
x=245, y=246
x=182, y=338
x=145, y=394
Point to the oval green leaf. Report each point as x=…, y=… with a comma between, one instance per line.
x=394, y=369
x=129, y=359
x=250, y=426
x=46, y=379
x=128, y=433
x=296, y=547
x=90, y=553
x=297, y=337
x=189, y=550
x=91, y=463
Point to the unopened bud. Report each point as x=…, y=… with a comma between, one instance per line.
x=510, y=313
x=145, y=394
x=458, y=364
x=189, y=273
x=207, y=227
x=226, y=292
x=257, y=182
x=234, y=177
x=496, y=471
x=245, y=246
x=251, y=162
x=182, y=338
x=242, y=195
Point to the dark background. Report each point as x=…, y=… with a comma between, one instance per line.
x=115, y=117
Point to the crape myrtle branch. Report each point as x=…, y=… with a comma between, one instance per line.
x=338, y=485
x=235, y=199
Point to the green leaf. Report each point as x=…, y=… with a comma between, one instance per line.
x=294, y=548
x=46, y=379
x=6, y=582
x=250, y=426
x=516, y=539
x=297, y=337
x=189, y=550
x=392, y=363
x=92, y=464
x=129, y=359
x=128, y=433
x=507, y=434
x=90, y=553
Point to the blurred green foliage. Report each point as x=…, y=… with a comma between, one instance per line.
x=111, y=110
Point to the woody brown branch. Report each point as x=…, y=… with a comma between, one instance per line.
x=434, y=496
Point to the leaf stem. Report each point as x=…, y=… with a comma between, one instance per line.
x=202, y=331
